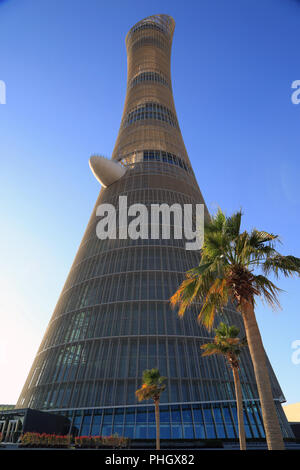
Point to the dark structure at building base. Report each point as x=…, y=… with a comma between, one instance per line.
x=15, y=422
x=296, y=429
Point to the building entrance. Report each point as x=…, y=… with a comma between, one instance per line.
x=11, y=433
x=2, y=429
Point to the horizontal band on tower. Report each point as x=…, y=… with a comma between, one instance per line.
x=154, y=156
x=150, y=41
x=149, y=76
x=150, y=111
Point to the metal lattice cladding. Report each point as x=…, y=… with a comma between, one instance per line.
x=113, y=318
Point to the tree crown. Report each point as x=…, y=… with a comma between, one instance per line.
x=226, y=343
x=153, y=385
x=228, y=270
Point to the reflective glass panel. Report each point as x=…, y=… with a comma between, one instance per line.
x=165, y=431
x=210, y=431
x=200, y=431
x=188, y=432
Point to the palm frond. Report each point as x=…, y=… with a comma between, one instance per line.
x=199, y=270
x=286, y=265
x=153, y=385
x=216, y=223
x=267, y=290
x=210, y=349
x=227, y=271
x=226, y=343
x=259, y=237
x=211, y=306
x=185, y=295
x=233, y=225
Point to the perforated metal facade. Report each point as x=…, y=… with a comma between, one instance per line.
x=113, y=318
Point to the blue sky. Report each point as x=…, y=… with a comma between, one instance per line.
x=64, y=65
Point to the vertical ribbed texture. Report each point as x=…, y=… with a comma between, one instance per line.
x=113, y=318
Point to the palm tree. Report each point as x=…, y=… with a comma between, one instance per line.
x=228, y=273
x=229, y=345
x=152, y=387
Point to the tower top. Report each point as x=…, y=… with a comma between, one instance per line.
x=149, y=120
x=163, y=23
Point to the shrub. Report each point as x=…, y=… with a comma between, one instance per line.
x=84, y=441
x=95, y=442
x=116, y=441
x=34, y=439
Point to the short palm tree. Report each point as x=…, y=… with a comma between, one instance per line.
x=227, y=343
x=152, y=387
x=228, y=273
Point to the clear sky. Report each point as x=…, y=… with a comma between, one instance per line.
x=64, y=65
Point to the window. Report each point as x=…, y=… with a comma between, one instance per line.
x=106, y=430
x=186, y=414
x=208, y=415
x=176, y=431
x=210, y=431
x=129, y=415
x=77, y=421
x=165, y=431
x=221, y=431
x=200, y=431
x=85, y=430
x=198, y=416
x=230, y=431
x=176, y=415
x=218, y=415
x=141, y=431
x=95, y=429
x=151, y=432
x=164, y=414
x=150, y=111
x=188, y=432
x=227, y=416
x=118, y=430
x=129, y=431
x=119, y=416
x=141, y=416
x=107, y=418
x=160, y=156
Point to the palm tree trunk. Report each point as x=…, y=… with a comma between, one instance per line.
x=156, y=403
x=271, y=423
x=239, y=405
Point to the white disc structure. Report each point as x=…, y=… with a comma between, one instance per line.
x=106, y=171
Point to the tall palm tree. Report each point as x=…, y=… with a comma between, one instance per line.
x=228, y=273
x=227, y=343
x=152, y=387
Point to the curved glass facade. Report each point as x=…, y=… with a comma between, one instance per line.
x=113, y=317
x=177, y=421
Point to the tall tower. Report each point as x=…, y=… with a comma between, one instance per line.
x=113, y=318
